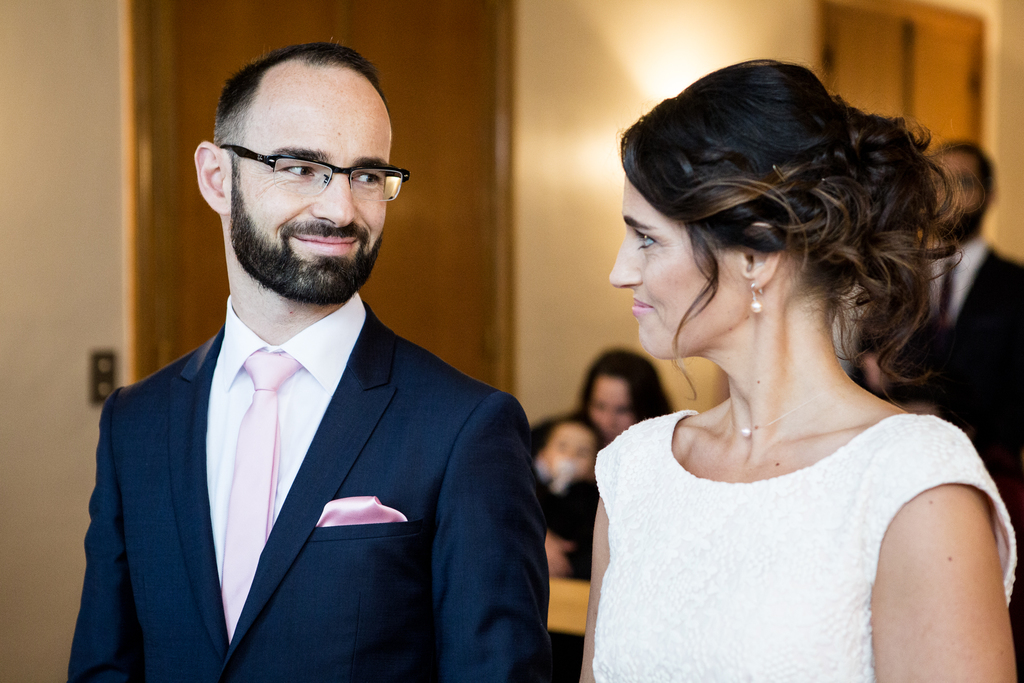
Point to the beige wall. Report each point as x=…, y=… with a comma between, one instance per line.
x=61, y=290
x=586, y=69
x=1007, y=140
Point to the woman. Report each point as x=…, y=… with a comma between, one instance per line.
x=620, y=390
x=803, y=530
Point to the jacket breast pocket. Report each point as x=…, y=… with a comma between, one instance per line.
x=365, y=531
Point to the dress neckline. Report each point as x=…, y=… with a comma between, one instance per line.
x=818, y=464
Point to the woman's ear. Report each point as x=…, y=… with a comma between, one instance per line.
x=213, y=170
x=759, y=267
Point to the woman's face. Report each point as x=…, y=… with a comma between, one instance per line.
x=610, y=408
x=656, y=261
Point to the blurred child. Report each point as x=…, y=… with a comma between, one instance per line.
x=568, y=495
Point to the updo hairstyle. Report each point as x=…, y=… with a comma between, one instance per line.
x=760, y=156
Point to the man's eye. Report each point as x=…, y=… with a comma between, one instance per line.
x=301, y=170
x=367, y=177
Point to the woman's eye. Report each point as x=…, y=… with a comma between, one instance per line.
x=645, y=241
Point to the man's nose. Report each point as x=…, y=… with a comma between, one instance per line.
x=335, y=203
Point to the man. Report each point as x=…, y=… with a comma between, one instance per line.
x=382, y=526
x=973, y=345
x=978, y=347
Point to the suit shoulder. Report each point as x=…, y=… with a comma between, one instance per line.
x=1005, y=268
x=157, y=383
x=416, y=365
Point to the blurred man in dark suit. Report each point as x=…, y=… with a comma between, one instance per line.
x=973, y=345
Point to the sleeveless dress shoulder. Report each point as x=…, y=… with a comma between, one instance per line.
x=768, y=580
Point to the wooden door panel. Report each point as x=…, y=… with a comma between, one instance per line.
x=905, y=59
x=432, y=282
x=864, y=58
x=947, y=78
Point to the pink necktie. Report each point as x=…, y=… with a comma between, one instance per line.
x=251, y=503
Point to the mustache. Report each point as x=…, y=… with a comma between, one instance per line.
x=325, y=229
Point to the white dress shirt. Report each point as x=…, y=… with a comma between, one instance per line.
x=323, y=349
x=974, y=252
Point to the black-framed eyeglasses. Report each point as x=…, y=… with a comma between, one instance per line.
x=305, y=177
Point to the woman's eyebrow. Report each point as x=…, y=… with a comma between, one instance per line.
x=634, y=223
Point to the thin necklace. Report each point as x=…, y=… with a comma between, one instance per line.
x=746, y=431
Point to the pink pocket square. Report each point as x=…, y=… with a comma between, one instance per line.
x=358, y=510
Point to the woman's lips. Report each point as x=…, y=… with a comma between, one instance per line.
x=639, y=308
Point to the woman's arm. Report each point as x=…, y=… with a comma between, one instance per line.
x=938, y=606
x=600, y=563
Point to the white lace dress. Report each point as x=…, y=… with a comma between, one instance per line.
x=762, y=581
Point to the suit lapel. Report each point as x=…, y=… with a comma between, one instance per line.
x=982, y=288
x=190, y=398
x=363, y=394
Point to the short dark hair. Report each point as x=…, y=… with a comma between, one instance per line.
x=646, y=396
x=985, y=173
x=554, y=424
x=239, y=91
x=760, y=156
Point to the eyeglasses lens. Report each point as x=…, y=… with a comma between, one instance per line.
x=375, y=184
x=309, y=178
x=301, y=177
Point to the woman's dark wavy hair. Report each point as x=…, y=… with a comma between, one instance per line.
x=646, y=396
x=760, y=156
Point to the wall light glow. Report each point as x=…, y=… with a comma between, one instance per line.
x=667, y=44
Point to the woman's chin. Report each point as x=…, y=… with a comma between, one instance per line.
x=658, y=348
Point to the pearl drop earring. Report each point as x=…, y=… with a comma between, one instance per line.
x=755, y=305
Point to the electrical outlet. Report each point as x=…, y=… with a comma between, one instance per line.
x=102, y=370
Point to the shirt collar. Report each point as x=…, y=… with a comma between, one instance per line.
x=323, y=348
x=974, y=252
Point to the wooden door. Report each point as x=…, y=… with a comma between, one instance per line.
x=442, y=277
x=903, y=59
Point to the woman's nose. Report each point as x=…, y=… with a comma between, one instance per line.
x=624, y=273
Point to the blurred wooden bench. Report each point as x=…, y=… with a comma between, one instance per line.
x=567, y=609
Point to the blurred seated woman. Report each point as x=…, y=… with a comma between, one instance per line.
x=804, y=529
x=621, y=388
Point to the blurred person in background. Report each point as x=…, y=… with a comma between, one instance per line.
x=973, y=343
x=620, y=389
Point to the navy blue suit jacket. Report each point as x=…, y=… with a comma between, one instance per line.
x=457, y=593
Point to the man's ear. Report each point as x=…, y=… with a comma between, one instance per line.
x=213, y=169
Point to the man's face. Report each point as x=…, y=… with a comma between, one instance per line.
x=964, y=168
x=320, y=280
x=313, y=250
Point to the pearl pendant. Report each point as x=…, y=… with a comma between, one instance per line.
x=745, y=432
x=755, y=306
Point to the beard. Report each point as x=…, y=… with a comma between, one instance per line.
x=321, y=281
